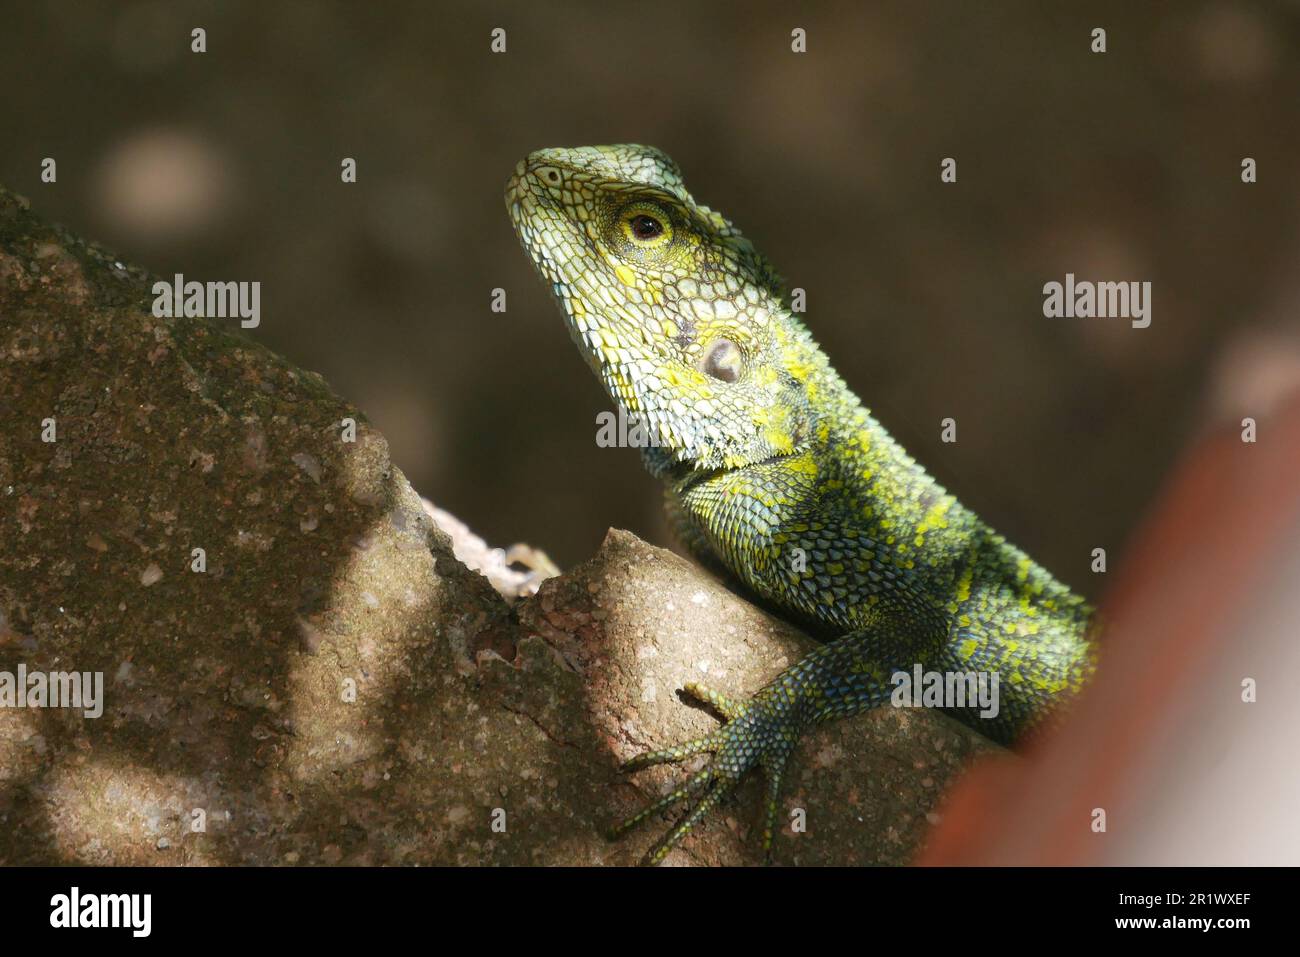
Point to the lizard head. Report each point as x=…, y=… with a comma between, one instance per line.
x=673, y=309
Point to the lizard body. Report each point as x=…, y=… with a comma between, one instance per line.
x=775, y=470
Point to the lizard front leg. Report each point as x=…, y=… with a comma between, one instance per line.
x=844, y=677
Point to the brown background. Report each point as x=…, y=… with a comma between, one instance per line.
x=1122, y=166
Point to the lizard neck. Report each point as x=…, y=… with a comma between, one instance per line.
x=851, y=483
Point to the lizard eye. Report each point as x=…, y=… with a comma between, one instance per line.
x=645, y=226
x=722, y=361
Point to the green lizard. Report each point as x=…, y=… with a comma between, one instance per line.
x=775, y=470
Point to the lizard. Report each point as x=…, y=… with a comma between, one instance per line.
x=776, y=471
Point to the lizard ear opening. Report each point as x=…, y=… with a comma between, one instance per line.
x=722, y=361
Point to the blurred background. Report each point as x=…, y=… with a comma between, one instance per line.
x=928, y=297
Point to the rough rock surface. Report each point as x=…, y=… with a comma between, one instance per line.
x=334, y=686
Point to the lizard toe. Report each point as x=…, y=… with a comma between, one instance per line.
x=760, y=733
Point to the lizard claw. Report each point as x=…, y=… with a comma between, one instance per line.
x=761, y=733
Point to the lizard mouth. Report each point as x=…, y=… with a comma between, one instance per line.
x=686, y=476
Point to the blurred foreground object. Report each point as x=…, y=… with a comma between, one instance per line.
x=1187, y=772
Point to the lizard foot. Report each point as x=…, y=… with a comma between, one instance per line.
x=759, y=733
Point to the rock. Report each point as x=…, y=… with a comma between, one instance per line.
x=334, y=686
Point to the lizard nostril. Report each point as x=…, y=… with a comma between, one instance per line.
x=548, y=175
